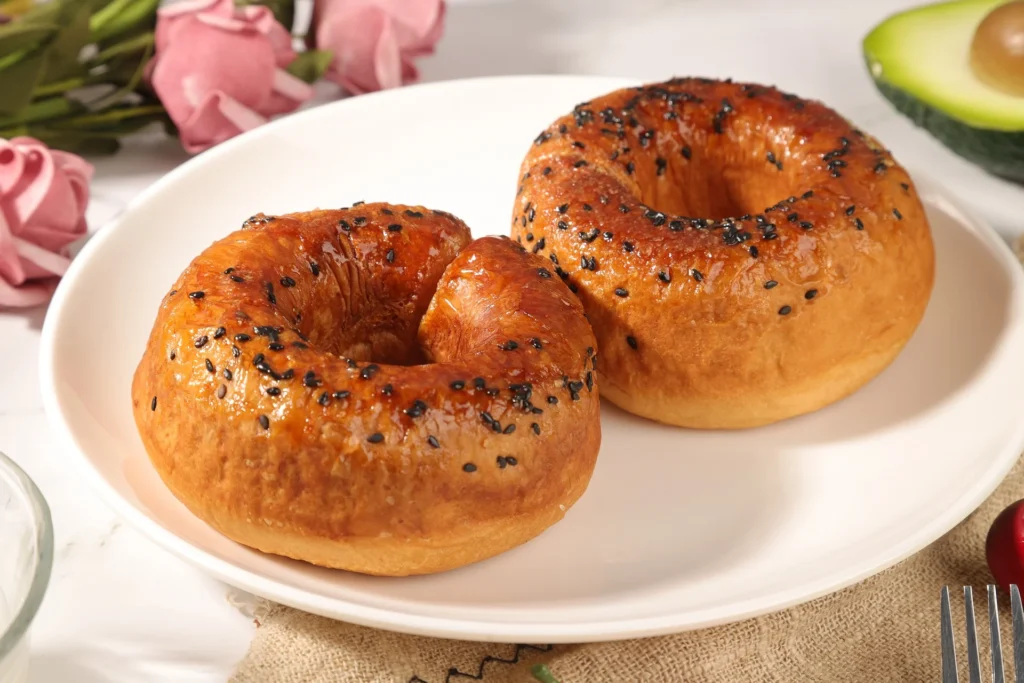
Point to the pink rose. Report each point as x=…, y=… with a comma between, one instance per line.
x=375, y=41
x=218, y=69
x=43, y=197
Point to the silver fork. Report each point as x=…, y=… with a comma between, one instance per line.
x=949, y=670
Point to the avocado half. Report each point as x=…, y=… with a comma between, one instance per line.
x=920, y=61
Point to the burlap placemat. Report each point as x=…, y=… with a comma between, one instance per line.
x=882, y=630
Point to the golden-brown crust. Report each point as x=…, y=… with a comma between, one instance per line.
x=715, y=304
x=268, y=405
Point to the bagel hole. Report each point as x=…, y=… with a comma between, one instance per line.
x=724, y=182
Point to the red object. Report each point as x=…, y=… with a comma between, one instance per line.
x=1004, y=546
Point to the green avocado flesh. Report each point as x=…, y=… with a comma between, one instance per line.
x=920, y=62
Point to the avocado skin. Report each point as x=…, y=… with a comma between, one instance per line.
x=1000, y=153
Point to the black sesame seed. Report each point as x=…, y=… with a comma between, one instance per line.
x=236, y=278
x=395, y=227
x=905, y=186
x=201, y=341
x=487, y=418
x=264, y=421
x=630, y=167
x=432, y=440
x=219, y=332
x=806, y=225
x=310, y=380
x=387, y=212
x=390, y=256
x=314, y=268
x=222, y=391
x=590, y=380
x=810, y=294
x=535, y=427
x=562, y=225
x=627, y=246
x=792, y=218
x=339, y=395
x=588, y=207
x=536, y=343
x=608, y=235
x=529, y=235
x=479, y=382
x=343, y=224
x=623, y=208
x=785, y=310
x=621, y=292
x=195, y=296
x=753, y=251
x=324, y=399
x=258, y=360
x=539, y=246
x=469, y=467
x=547, y=170
x=287, y=374
x=687, y=154
x=269, y=287
x=696, y=275
x=227, y=374
x=544, y=273
x=209, y=366
x=376, y=437
x=359, y=220
x=229, y=271
x=850, y=209
x=458, y=385
x=501, y=462
x=632, y=342
x=580, y=164
x=808, y=194
x=664, y=277
x=661, y=165
x=510, y=345
x=896, y=212
x=562, y=208
x=511, y=461
x=509, y=429
x=235, y=351
x=770, y=284
x=273, y=391
x=173, y=355
x=552, y=400
x=858, y=223
x=387, y=389
x=287, y=282
x=152, y=404
x=242, y=337
x=369, y=371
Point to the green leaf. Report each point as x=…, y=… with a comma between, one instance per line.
x=18, y=80
x=284, y=10
x=121, y=15
x=543, y=674
x=310, y=65
x=43, y=110
x=62, y=52
x=19, y=36
x=74, y=142
x=137, y=43
x=113, y=117
x=133, y=81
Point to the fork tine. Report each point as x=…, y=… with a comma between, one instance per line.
x=1018, y=634
x=949, y=674
x=973, y=661
x=998, y=675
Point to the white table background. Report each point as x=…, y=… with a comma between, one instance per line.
x=121, y=609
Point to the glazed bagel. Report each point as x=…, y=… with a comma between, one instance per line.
x=368, y=389
x=744, y=255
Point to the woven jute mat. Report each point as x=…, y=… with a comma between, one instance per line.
x=882, y=630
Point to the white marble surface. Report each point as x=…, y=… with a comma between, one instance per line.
x=120, y=609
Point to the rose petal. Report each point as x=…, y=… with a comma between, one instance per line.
x=218, y=118
x=288, y=94
x=39, y=171
x=33, y=294
x=10, y=265
x=49, y=262
x=11, y=165
x=267, y=24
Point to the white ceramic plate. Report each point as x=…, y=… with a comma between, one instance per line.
x=679, y=529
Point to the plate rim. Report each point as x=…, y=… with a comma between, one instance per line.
x=468, y=628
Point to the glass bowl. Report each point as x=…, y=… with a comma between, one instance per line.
x=26, y=557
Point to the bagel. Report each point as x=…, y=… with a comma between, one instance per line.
x=368, y=389
x=744, y=255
